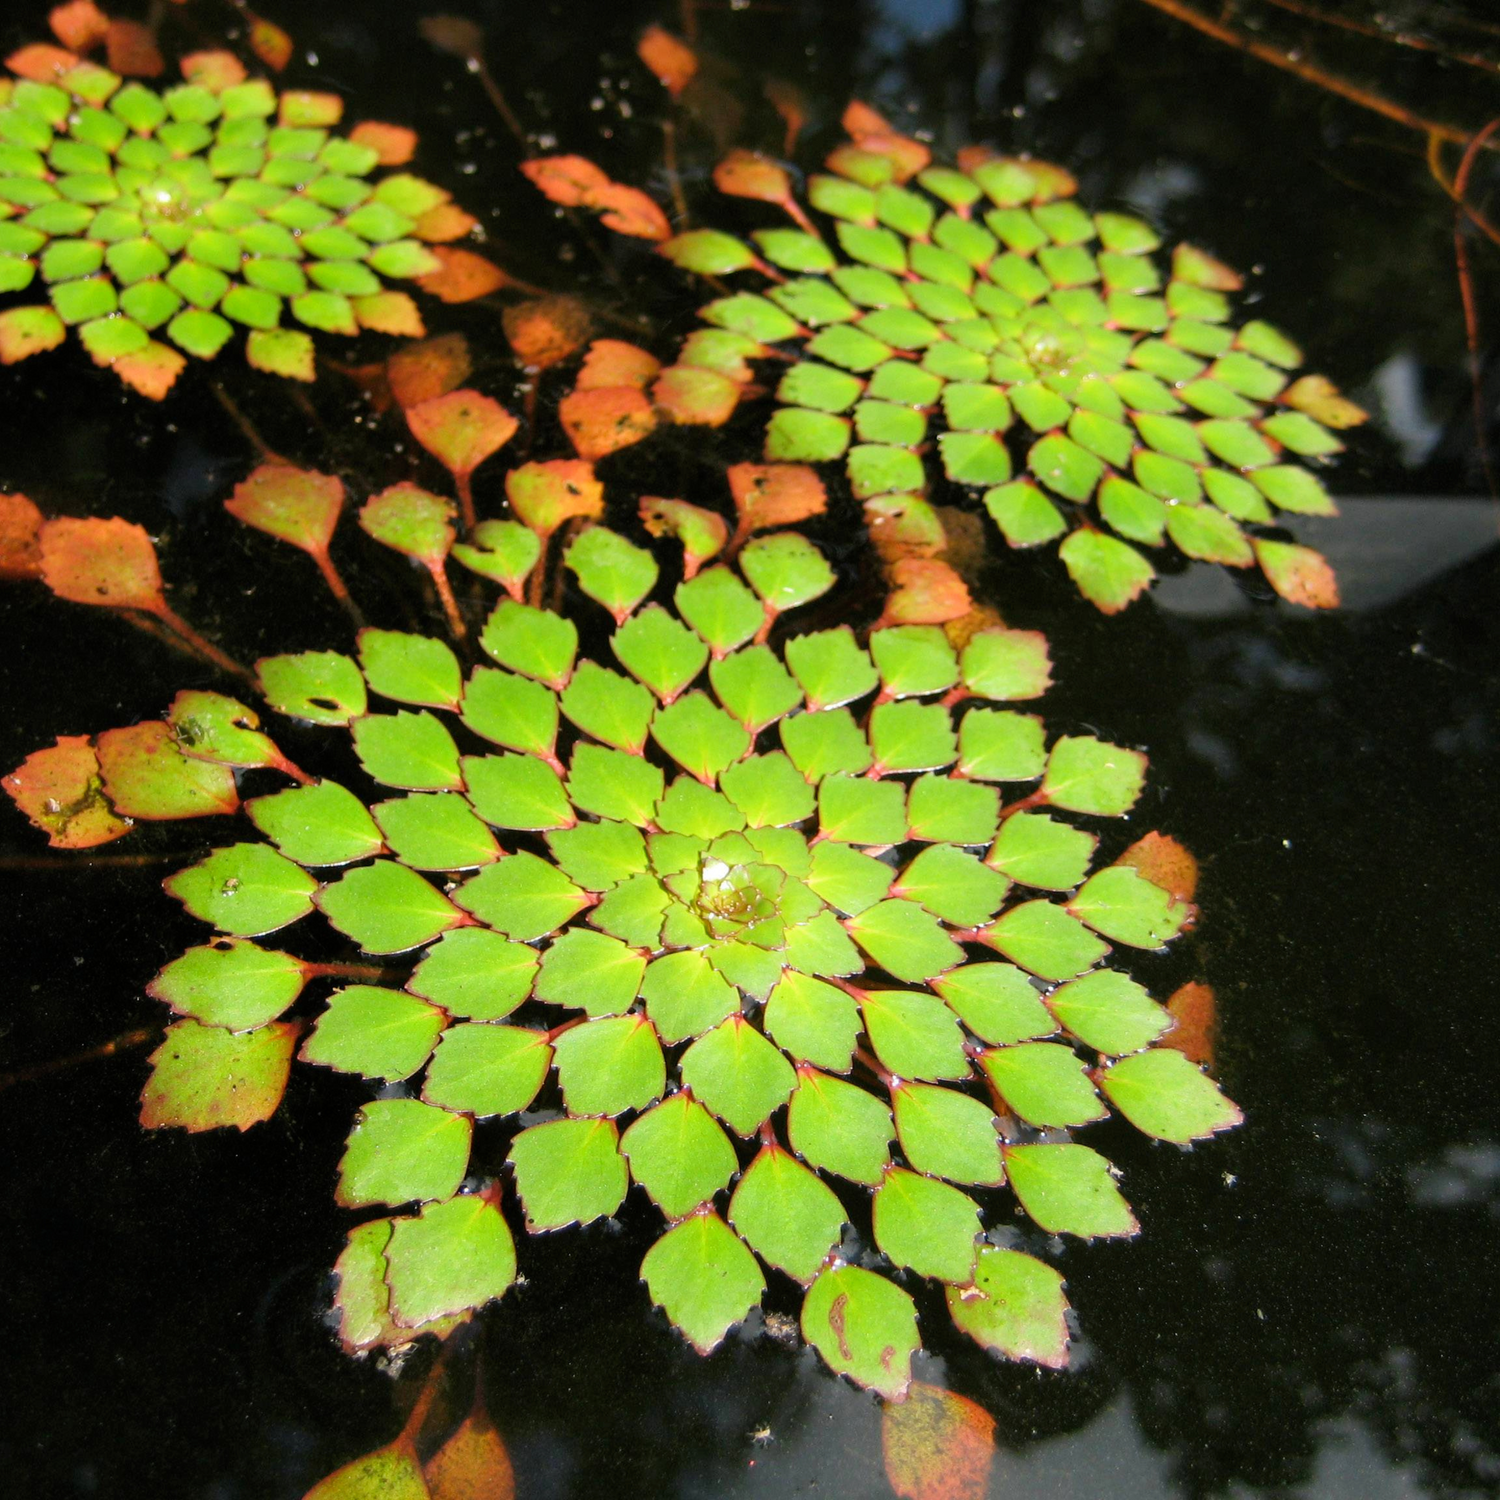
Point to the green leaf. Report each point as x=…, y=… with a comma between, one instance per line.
x=393, y=1472
x=1106, y=571
x=810, y=384
x=1043, y=938
x=246, y=889
x=678, y=1153
x=533, y=642
x=611, y=570
x=568, y=1172
x=705, y=1280
x=376, y=1032
x=839, y=1127
x=410, y=668
x=947, y=1134
x=913, y=660
x=904, y=940
x=386, y=908
x=1123, y=905
x=206, y=1078
x=633, y=911
x=708, y=252
x=1163, y=1094
x=786, y=570
x=855, y=810
x=753, y=316
x=231, y=984
x=1044, y=1083
x=1021, y=1312
x=1109, y=1012
x=953, y=885
x=997, y=1002
x=599, y=855
x=691, y=807
x=413, y=751
x=147, y=775
x=435, y=831
x=700, y=736
x=608, y=706
x=1131, y=511
x=797, y=436
x=1040, y=851
x=942, y=809
x=909, y=736
x=483, y=1069
x=788, y=1216
x=522, y=896
x=738, y=1074
x=209, y=726
x=475, y=972
x=820, y=744
x=847, y=879
x=1209, y=535
x=821, y=946
x=1006, y=664
x=926, y=1226
x=1087, y=775
x=660, y=651
x=591, y=971
x=612, y=784
x=974, y=458
x=1025, y=516
x=754, y=687
x=608, y=1066
x=996, y=746
x=1068, y=1189
x=402, y=1150
x=768, y=790
x=513, y=711
x=1289, y=487
x=813, y=1021
x=864, y=1327
x=517, y=791
x=685, y=997
x=720, y=608
x=830, y=667
x=322, y=824
x=452, y=1257
x=505, y=551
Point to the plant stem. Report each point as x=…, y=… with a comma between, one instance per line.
x=1381, y=33
x=126, y=1041
x=210, y=652
x=337, y=586
x=450, y=604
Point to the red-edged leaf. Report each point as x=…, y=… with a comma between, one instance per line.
x=207, y=1078
x=1159, y=858
x=748, y=174
x=146, y=775
x=25, y=331
x=412, y=520
x=298, y=506
x=94, y=561
x=393, y=145
x=446, y=221
x=938, y=1445
x=628, y=210
x=602, y=421
x=61, y=790
x=274, y=48
x=547, y=330
x=1319, y=397
x=215, y=69
x=41, y=62
x=1300, y=575
x=153, y=371
x=79, y=25
x=775, y=495
x=1194, y=1009
x=131, y=49
x=20, y=537
x=1191, y=264
x=703, y=533
x=425, y=371
x=461, y=276
x=695, y=397
x=611, y=363
x=673, y=62
x=568, y=180
x=927, y=592
x=461, y=429
x=390, y=312
x=546, y=494
x=859, y=119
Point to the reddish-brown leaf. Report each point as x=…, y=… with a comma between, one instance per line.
x=93, y=561
x=214, y=69
x=673, y=61
x=1301, y=575
x=703, y=533
x=568, y=180
x=927, y=592
x=152, y=371
x=546, y=494
x=20, y=537
x=604, y=420
x=132, y=51
x=546, y=330
x=41, y=62
x=938, y=1446
x=748, y=174
x=393, y=145
x=79, y=25
x=788, y=102
x=1195, y=1010
x=456, y=35
x=969, y=158
x=775, y=494
x=904, y=526
x=444, y=223
x=462, y=276
x=270, y=44
x=611, y=363
x=147, y=776
x=61, y=790
x=1159, y=858
x=473, y=1464
x=695, y=397
x=299, y=506
x=207, y=1078
x=1052, y=181
x=422, y=372
x=461, y=429
x=628, y=210
x=906, y=156
x=859, y=119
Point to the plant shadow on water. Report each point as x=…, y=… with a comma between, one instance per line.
x=1312, y=1305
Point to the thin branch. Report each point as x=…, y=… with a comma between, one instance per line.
x=125, y=1042
x=1470, y=303
x=1384, y=34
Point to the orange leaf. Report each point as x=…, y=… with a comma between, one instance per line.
x=1300, y=575
x=461, y=429
x=78, y=25
x=462, y=276
x=546, y=330
x=61, y=790
x=695, y=397
x=1159, y=858
x=703, y=533
x=147, y=776
x=25, y=331
x=1189, y=263
x=603, y=420
x=271, y=44
x=904, y=526
x=132, y=50
x=1319, y=397
x=568, y=180
x=298, y=506
x=394, y=145
x=422, y=372
x=445, y=222
x=611, y=363
x=214, y=69
x=748, y=174
x=1052, y=181
x=546, y=494
x=673, y=62
x=93, y=561
x=20, y=530
x=151, y=371
x=775, y=494
x=1195, y=1010
x=968, y=158
x=906, y=156
x=628, y=210
x=473, y=1464
x=927, y=592
x=859, y=119
x=41, y=62
x=938, y=1446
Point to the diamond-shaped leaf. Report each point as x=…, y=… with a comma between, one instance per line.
x=375, y=1032
x=1019, y=1310
x=997, y=1002
x=387, y=908
x=738, y=1074
x=864, y=1327
x=481, y=1069
x=926, y=1226
x=839, y=1127
x=608, y=1066
x=246, y=889
x=206, y=1078
x=522, y=896
x=590, y=970
x=1068, y=1189
x=679, y=1154
x=474, y=972
x=1163, y=1094
x=568, y=1172
x=947, y=1134
x=704, y=1279
x=403, y=1150
x=787, y=1214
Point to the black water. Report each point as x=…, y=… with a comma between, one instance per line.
x=1313, y=1306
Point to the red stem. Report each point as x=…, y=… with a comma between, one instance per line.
x=462, y=479
x=206, y=649
x=336, y=585
x=450, y=604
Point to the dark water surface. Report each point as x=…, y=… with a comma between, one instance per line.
x=1313, y=1308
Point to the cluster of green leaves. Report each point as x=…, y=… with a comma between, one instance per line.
x=987, y=309
x=211, y=204
x=726, y=954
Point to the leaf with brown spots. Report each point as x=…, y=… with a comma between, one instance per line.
x=672, y=61
x=1195, y=1010
x=611, y=363
x=1318, y=397
x=544, y=495
x=61, y=790
x=393, y=145
x=546, y=330
x=79, y=25
x=473, y=1463
x=461, y=429
x=937, y=1445
x=20, y=537
x=132, y=51
x=904, y=526
x=703, y=533
x=147, y=776
x=106, y=562
x=422, y=372
x=25, y=331
x=1159, y=858
x=775, y=495
x=602, y=421
x=927, y=592
x=1301, y=575
x=461, y=276
x=207, y=1078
